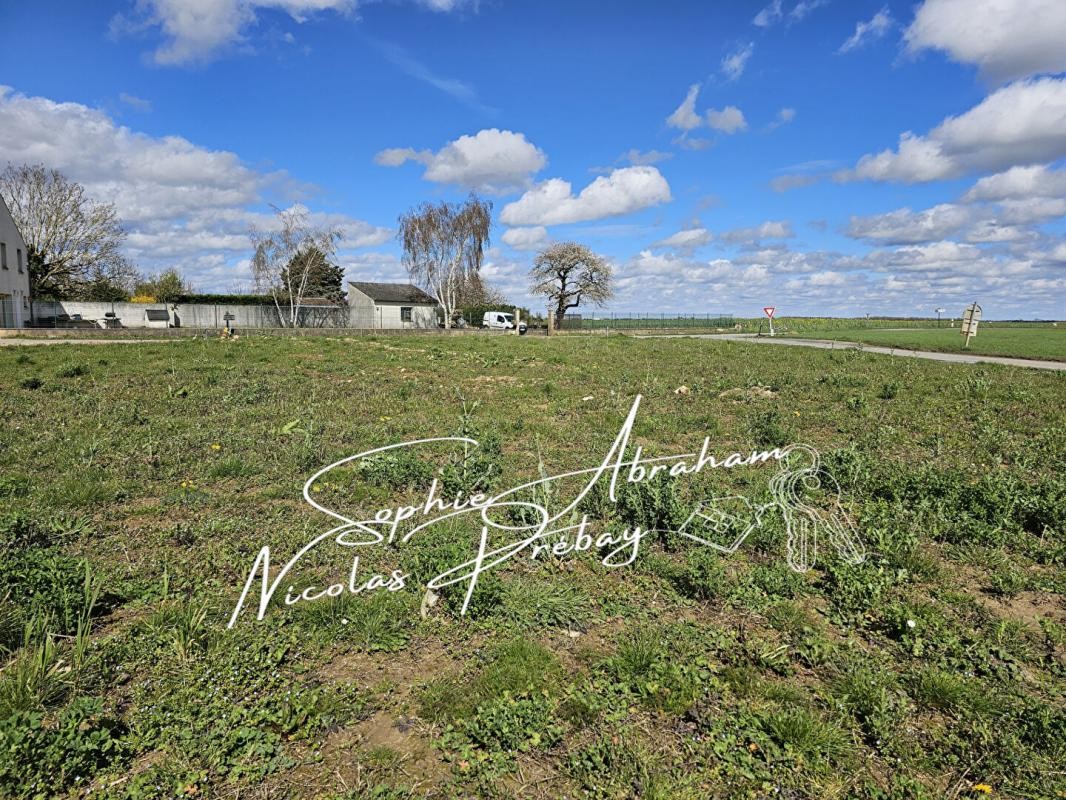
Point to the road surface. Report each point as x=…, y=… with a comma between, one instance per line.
x=826, y=344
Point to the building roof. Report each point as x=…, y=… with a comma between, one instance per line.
x=393, y=293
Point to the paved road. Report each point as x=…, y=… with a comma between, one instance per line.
x=826, y=344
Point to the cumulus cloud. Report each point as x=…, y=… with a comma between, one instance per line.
x=685, y=240
x=685, y=117
x=1016, y=183
x=553, y=202
x=727, y=120
x=1004, y=39
x=734, y=64
x=1022, y=123
x=874, y=28
x=905, y=226
x=779, y=229
x=491, y=160
x=532, y=238
x=183, y=205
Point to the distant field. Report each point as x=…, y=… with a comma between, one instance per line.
x=1030, y=342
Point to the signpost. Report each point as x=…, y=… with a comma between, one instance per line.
x=939, y=311
x=769, y=311
x=970, y=317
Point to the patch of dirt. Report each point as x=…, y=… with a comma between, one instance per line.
x=386, y=748
x=401, y=670
x=741, y=394
x=1026, y=607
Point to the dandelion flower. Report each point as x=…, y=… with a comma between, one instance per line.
x=983, y=788
x=216, y=446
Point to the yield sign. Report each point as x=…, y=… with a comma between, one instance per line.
x=769, y=311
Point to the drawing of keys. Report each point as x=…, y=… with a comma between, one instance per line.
x=806, y=523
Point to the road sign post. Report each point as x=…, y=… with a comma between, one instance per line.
x=769, y=311
x=970, y=317
x=939, y=311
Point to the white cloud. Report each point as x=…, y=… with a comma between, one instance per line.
x=686, y=240
x=904, y=226
x=805, y=7
x=637, y=158
x=876, y=27
x=729, y=120
x=396, y=156
x=138, y=103
x=685, y=117
x=552, y=202
x=491, y=160
x=1022, y=123
x=1019, y=183
x=733, y=65
x=195, y=31
x=779, y=229
x=183, y=205
x=784, y=117
x=533, y=238
x=769, y=15
x=1005, y=39
x=827, y=278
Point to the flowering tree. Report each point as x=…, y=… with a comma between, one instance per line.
x=567, y=273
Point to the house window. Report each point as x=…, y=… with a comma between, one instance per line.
x=3, y=255
x=18, y=256
x=405, y=313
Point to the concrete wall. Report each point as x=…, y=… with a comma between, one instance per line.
x=184, y=315
x=14, y=273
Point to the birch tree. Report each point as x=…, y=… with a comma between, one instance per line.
x=292, y=239
x=443, y=247
x=568, y=273
x=72, y=240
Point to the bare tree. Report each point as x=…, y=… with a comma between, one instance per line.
x=71, y=238
x=443, y=245
x=567, y=273
x=295, y=237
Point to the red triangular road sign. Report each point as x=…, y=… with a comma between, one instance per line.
x=769, y=311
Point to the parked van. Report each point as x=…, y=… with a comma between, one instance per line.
x=501, y=320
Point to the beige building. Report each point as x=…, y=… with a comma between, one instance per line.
x=14, y=273
x=390, y=305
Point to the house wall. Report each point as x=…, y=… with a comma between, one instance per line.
x=14, y=284
x=365, y=313
x=387, y=315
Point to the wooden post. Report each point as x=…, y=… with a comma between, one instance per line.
x=551, y=322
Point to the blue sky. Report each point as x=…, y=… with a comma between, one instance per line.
x=823, y=156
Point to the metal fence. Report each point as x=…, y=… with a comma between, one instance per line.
x=621, y=321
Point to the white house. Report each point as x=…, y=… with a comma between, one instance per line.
x=390, y=305
x=14, y=273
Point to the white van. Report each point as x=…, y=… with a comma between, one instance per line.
x=501, y=320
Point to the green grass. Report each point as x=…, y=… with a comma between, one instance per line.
x=138, y=482
x=1044, y=342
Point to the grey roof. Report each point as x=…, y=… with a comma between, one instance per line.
x=393, y=293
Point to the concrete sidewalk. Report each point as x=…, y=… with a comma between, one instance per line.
x=827, y=344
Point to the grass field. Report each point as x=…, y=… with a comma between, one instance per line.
x=139, y=482
x=1042, y=342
